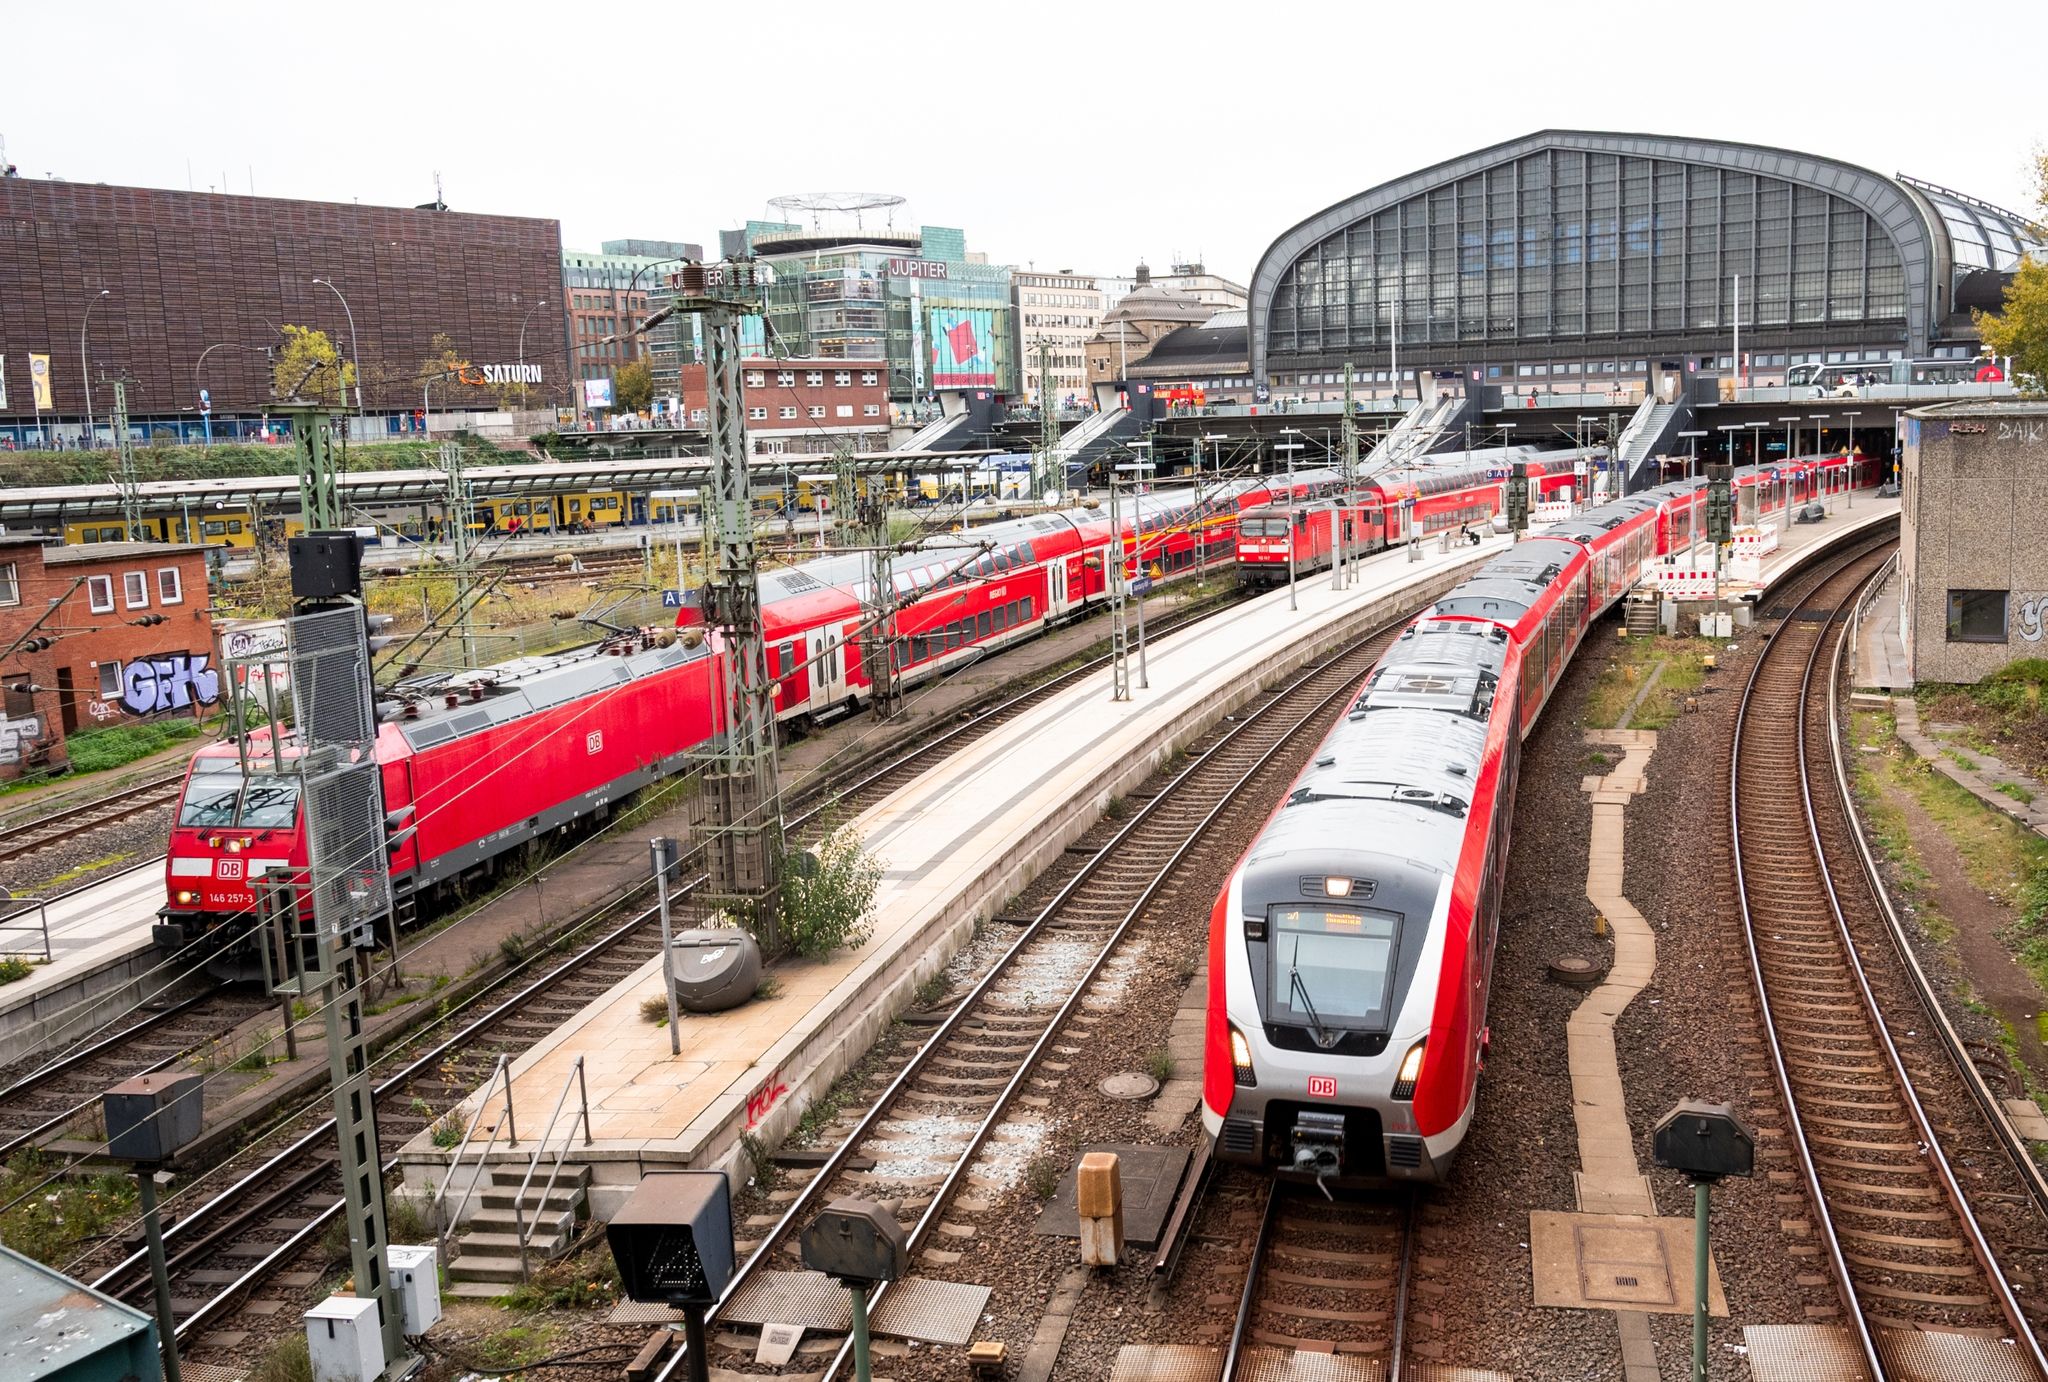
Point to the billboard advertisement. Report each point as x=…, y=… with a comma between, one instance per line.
x=963, y=345
x=597, y=393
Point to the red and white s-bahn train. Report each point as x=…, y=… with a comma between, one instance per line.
x=489, y=762
x=1455, y=492
x=1351, y=950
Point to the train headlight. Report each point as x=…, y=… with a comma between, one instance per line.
x=1411, y=1071
x=186, y=897
x=1241, y=1060
x=234, y=846
x=1337, y=887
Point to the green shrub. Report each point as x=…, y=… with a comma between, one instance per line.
x=13, y=967
x=831, y=905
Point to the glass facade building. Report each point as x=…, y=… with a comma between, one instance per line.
x=1569, y=244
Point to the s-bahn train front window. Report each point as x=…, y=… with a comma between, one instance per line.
x=218, y=796
x=1330, y=970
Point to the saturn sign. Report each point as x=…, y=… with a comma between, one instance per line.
x=512, y=374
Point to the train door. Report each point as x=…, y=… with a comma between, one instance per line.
x=1056, y=587
x=828, y=680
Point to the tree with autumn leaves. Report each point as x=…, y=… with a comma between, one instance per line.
x=2021, y=330
x=308, y=366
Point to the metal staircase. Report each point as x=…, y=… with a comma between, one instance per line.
x=1643, y=439
x=1417, y=434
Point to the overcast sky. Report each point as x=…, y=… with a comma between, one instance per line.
x=1082, y=136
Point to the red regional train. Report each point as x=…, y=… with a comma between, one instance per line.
x=491, y=762
x=1351, y=950
x=1458, y=491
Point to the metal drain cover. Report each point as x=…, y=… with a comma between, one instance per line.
x=1129, y=1084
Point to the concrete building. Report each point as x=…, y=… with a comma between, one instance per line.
x=1063, y=310
x=1196, y=366
x=1131, y=328
x=605, y=294
x=1197, y=282
x=101, y=633
x=917, y=303
x=1974, y=538
x=809, y=407
x=182, y=291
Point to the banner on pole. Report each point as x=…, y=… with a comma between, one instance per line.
x=39, y=380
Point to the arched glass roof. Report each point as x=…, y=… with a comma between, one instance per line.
x=1984, y=236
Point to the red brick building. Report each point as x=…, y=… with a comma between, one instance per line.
x=102, y=633
x=804, y=407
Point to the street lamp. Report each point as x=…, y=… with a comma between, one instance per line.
x=522, y=349
x=675, y=515
x=1849, y=454
x=354, y=354
x=84, y=370
x=1136, y=469
x=1290, y=447
x=206, y=413
x=1693, y=460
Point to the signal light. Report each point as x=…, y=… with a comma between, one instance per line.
x=1411, y=1071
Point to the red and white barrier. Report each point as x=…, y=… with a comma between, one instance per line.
x=1685, y=582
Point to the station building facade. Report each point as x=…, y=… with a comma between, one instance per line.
x=1571, y=260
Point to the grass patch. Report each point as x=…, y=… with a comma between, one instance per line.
x=448, y=1130
x=2016, y=792
x=769, y=987
x=2004, y=859
x=396, y=1000
x=257, y=1057
x=13, y=969
x=654, y=1009
x=64, y=1215
x=1159, y=1064
x=1963, y=761
x=93, y=866
x=931, y=991
x=96, y=750
x=519, y=1346
x=287, y=1361
x=1116, y=809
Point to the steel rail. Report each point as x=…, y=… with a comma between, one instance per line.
x=1247, y=1298
x=1980, y=1243
x=14, y=846
x=298, y=1241
x=1980, y=1089
x=1830, y=1240
x=1930, y=1144
x=965, y=1007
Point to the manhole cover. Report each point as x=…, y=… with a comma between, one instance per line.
x=1129, y=1084
x=1577, y=970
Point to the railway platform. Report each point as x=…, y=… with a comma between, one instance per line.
x=1797, y=542
x=100, y=954
x=954, y=845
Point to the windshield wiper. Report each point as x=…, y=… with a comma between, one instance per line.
x=1298, y=989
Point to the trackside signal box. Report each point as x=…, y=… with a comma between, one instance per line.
x=673, y=1238
x=1720, y=504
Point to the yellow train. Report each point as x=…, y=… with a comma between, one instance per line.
x=220, y=527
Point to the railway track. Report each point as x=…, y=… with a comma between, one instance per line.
x=45, y=1101
x=28, y=836
x=225, y=1248
x=955, y=1115
x=1910, y=1256
x=1326, y=1285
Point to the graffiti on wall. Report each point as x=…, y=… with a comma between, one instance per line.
x=2033, y=615
x=169, y=681
x=15, y=732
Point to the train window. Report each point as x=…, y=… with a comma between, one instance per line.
x=981, y=625
x=1330, y=967
x=1001, y=559
x=999, y=618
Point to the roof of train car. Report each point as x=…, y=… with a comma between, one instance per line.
x=1407, y=754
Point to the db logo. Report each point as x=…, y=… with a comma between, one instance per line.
x=228, y=868
x=1322, y=1086
x=593, y=742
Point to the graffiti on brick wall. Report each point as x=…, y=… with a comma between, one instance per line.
x=15, y=732
x=169, y=681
